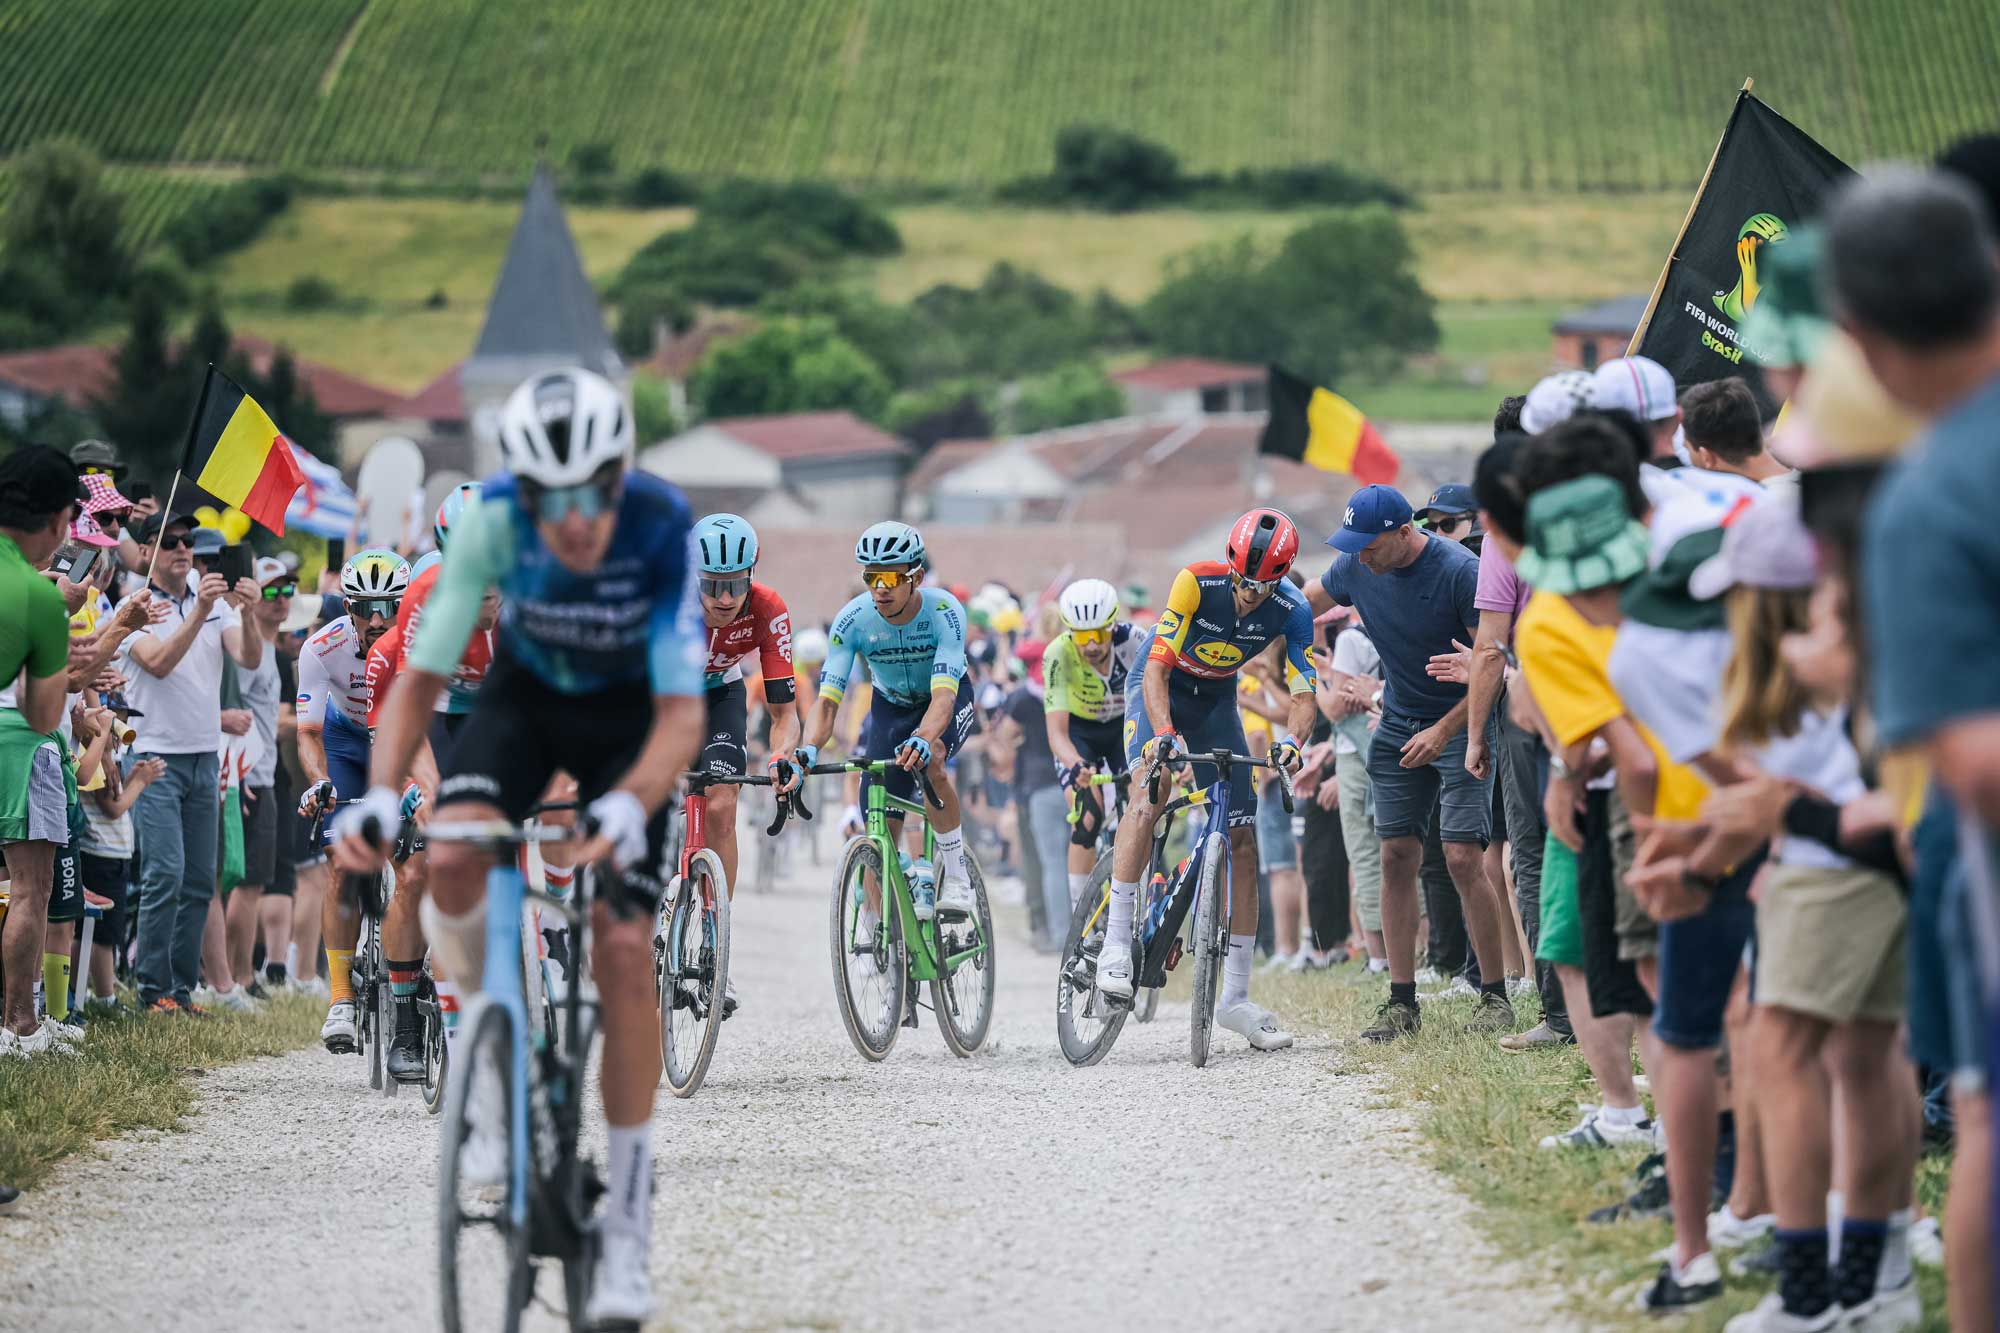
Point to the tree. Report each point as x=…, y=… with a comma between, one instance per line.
x=1066, y=396
x=62, y=210
x=145, y=412
x=652, y=411
x=951, y=410
x=1016, y=322
x=891, y=336
x=789, y=365
x=290, y=401
x=641, y=312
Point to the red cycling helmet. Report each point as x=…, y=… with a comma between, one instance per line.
x=1262, y=545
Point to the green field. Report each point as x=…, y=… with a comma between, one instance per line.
x=1538, y=95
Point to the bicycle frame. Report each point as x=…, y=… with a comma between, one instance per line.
x=925, y=961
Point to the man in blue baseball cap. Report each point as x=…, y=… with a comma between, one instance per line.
x=1372, y=511
x=1451, y=512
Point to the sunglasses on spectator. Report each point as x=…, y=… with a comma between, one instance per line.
x=1437, y=521
x=111, y=517
x=91, y=470
x=1090, y=636
x=273, y=591
x=1254, y=587
x=365, y=609
x=884, y=578
x=729, y=587
x=552, y=504
x=174, y=541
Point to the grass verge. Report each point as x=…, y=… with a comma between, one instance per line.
x=130, y=1073
x=1481, y=1112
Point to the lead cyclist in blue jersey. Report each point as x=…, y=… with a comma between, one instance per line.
x=913, y=639
x=597, y=672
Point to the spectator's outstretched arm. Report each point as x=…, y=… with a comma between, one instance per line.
x=160, y=656
x=1489, y=668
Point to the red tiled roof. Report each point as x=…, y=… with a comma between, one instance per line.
x=338, y=393
x=1188, y=372
x=80, y=372
x=798, y=436
x=440, y=400
x=945, y=456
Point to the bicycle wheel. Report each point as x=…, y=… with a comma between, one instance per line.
x=963, y=997
x=1086, y=1023
x=1147, y=1002
x=484, y=1274
x=694, y=975
x=437, y=1061
x=869, y=964
x=367, y=1003
x=1211, y=945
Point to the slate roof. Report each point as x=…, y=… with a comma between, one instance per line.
x=543, y=305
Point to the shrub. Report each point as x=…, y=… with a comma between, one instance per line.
x=227, y=220
x=951, y=410
x=63, y=218
x=789, y=365
x=593, y=159
x=848, y=223
x=652, y=410
x=310, y=292
x=1065, y=396
x=640, y=313
x=657, y=187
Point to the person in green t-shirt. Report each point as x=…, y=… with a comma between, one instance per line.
x=38, y=496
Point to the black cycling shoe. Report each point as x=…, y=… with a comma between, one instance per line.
x=406, y=1048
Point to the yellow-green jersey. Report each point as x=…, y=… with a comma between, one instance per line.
x=1074, y=686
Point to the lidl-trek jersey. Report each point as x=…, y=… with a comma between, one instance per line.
x=908, y=661
x=1200, y=635
x=763, y=628
x=1077, y=688
x=635, y=617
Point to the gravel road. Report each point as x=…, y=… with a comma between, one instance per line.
x=803, y=1187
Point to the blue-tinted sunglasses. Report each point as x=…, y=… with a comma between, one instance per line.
x=552, y=504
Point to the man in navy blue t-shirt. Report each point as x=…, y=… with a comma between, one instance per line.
x=1415, y=593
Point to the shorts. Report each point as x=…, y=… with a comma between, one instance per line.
x=1830, y=943
x=444, y=735
x=1277, y=847
x=1404, y=797
x=66, y=882
x=38, y=809
x=1947, y=1021
x=889, y=724
x=260, y=835
x=1207, y=719
x=523, y=731
x=346, y=764
x=1561, y=941
x=1102, y=744
x=1611, y=978
x=107, y=877
x=725, y=753
x=1699, y=956
x=1971, y=1058
x=1638, y=933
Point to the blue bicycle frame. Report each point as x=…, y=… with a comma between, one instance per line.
x=506, y=899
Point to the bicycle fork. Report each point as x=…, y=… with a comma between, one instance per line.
x=506, y=897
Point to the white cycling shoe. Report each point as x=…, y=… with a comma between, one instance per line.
x=482, y=1157
x=1114, y=978
x=337, y=1033
x=621, y=1294
x=955, y=895
x=1257, y=1025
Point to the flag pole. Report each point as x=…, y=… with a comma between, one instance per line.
x=166, y=516
x=1660, y=287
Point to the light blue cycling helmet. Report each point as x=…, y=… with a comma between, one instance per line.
x=728, y=544
x=890, y=543
x=454, y=504
x=424, y=562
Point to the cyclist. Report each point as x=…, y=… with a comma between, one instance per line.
x=1085, y=669
x=402, y=929
x=913, y=640
x=597, y=671
x=1219, y=615
x=332, y=712
x=743, y=617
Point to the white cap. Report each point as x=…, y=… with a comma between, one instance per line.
x=268, y=568
x=1767, y=546
x=1554, y=398
x=1635, y=384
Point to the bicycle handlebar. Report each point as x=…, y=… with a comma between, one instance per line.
x=1223, y=761
x=880, y=768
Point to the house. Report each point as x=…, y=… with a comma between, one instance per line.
x=1186, y=386
x=785, y=469
x=1596, y=333
x=675, y=355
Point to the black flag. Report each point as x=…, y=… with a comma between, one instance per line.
x=1767, y=178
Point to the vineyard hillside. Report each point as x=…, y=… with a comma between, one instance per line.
x=1570, y=95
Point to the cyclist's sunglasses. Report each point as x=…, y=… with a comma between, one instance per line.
x=273, y=591
x=1090, y=636
x=365, y=609
x=552, y=504
x=884, y=578
x=1254, y=587
x=735, y=586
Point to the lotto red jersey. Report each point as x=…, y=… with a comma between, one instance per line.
x=391, y=653
x=765, y=628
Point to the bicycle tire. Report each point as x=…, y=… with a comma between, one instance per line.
x=1208, y=920
x=684, y=1059
x=385, y=1031
x=488, y=1036
x=890, y=960
x=964, y=1030
x=1076, y=981
x=437, y=1057
x=367, y=1011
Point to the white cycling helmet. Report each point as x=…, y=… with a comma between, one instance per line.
x=1089, y=604
x=890, y=543
x=374, y=573
x=558, y=429
x=810, y=646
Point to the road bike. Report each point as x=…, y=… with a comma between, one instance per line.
x=882, y=952
x=374, y=1001
x=691, y=939
x=1146, y=1001
x=493, y=1239
x=1196, y=895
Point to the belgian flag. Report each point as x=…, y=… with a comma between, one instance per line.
x=1321, y=429
x=237, y=454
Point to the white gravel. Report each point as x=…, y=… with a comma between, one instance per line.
x=803, y=1187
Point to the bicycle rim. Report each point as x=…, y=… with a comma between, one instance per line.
x=485, y=1275
x=868, y=964
x=963, y=997
x=1086, y=1023
x=436, y=1060
x=694, y=974
x=368, y=1006
x=1207, y=957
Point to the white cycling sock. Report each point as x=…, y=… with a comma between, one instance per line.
x=1378, y=965
x=458, y=941
x=1622, y=1116
x=1118, y=918
x=1079, y=884
x=951, y=855
x=1895, y=1269
x=628, y=1199
x=1236, y=969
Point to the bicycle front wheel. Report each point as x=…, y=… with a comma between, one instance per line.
x=963, y=996
x=1211, y=946
x=869, y=962
x=437, y=1063
x=694, y=976
x=484, y=1274
x=1086, y=1023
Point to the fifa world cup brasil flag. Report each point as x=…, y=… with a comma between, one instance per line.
x=1765, y=181
x=237, y=454
x=1321, y=429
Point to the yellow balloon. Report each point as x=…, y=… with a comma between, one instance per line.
x=1008, y=621
x=235, y=525
x=207, y=517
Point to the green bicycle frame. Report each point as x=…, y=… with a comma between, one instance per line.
x=927, y=963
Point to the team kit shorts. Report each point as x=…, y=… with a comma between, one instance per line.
x=890, y=723
x=1204, y=713
x=726, y=752
x=346, y=764
x=1102, y=747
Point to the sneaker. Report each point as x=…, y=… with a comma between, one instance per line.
x=1459, y=989
x=1676, y=1289
x=1114, y=976
x=42, y=1041
x=1429, y=976
x=1256, y=1025
x=338, y=1030
x=1595, y=1131
x=1927, y=1242
x=237, y=1000
x=1770, y=1316
x=166, y=1005
x=1517, y=987
x=1895, y=1311
x=1278, y=961
x=1494, y=1014
x=1649, y=1200
x=405, y=1062
x=621, y=1294
x=1394, y=1020
x=9, y=1043
x=64, y=1032
x=256, y=991
x=1539, y=1037
x=1311, y=960
x=955, y=896
x=1759, y=1262
x=1727, y=1231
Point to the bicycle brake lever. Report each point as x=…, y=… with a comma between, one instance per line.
x=930, y=792
x=784, y=813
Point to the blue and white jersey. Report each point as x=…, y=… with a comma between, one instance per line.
x=907, y=661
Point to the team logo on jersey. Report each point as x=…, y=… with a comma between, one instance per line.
x=1170, y=624
x=1221, y=656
